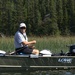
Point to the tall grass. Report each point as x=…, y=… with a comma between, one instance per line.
x=7, y=44
x=55, y=44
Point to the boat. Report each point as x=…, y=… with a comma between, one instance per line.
x=31, y=62
x=35, y=63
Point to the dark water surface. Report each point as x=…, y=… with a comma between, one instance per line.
x=57, y=72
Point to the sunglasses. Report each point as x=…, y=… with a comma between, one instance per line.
x=22, y=28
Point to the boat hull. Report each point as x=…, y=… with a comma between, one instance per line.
x=27, y=63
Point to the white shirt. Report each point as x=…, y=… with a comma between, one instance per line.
x=19, y=38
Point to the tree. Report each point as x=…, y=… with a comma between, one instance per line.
x=53, y=27
x=71, y=13
x=65, y=25
x=59, y=9
x=42, y=17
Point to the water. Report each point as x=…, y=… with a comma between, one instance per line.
x=64, y=72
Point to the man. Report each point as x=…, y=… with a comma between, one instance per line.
x=21, y=41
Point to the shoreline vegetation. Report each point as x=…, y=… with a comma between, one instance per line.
x=54, y=44
x=42, y=17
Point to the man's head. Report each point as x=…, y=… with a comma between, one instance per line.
x=22, y=27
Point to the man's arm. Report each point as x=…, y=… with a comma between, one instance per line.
x=28, y=43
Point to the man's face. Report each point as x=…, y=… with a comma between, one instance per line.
x=23, y=29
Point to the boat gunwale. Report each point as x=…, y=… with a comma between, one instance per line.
x=38, y=56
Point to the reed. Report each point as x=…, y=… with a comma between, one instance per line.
x=55, y=44
x=7, y=44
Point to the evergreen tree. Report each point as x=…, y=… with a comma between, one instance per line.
x=38, y=18
x=65, y=27
x=53, y=27
x=59, y=15
x=30, y=16
x=1, y=9
x=42, y=17
x=71, y=13
x=4, y=15
x=42, y=7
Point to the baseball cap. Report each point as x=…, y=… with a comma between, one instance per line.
x=22, y=25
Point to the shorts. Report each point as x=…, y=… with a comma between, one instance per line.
x=25, y=50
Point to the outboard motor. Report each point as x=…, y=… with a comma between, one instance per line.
x=72, y=50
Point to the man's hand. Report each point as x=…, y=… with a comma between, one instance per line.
x=33, y=41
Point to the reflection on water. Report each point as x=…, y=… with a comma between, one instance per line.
x=71, y=72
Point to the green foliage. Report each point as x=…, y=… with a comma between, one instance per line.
x=42, y=17
x=55, y=44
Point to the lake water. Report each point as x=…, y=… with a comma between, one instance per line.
x=58, y=72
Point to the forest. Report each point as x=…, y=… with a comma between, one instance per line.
x=42, y=17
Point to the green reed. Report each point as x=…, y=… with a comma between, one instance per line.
x=55, y=44
x=7, y=44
